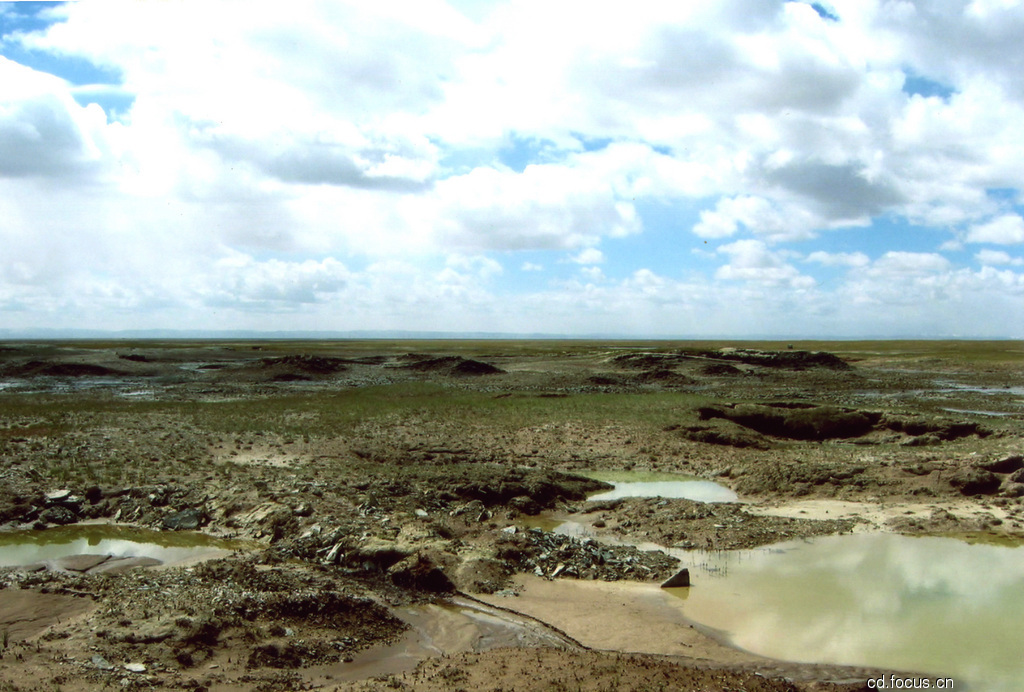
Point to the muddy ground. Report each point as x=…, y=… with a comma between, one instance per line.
x=368, y=477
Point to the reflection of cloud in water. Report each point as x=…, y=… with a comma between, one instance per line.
x=26, y=547
x=931, y=604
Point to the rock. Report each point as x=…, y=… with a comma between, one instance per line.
x=420, y=572
x=680, y=578
x=135, y=667
x=422, y=513
x=974, y=481
x=102, y=663
x=525, y=504
x=1017, y=476
x=80, y=563
x=121, y=565
x=1008, y=464
x=928, y=440
x=1013, y=490
x=186, y=520
x=55, y=496
x=58, y=514
x=332, y=555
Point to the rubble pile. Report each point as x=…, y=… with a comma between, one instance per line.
x=554, y=555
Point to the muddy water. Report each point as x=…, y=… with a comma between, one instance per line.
x=462, y=625
x=935, y=605
x=644, y=484
x=28, y=547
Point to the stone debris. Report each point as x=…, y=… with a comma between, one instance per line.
x=553, y=555
x=679, y=579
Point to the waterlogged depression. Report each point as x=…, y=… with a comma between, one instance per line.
x=938, y=606
x=628, y=484
x=28, y=547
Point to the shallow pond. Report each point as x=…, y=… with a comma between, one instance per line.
x=935, y=605
x=669, y=485
x=28, y=547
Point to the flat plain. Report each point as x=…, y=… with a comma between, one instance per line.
x=372, y=489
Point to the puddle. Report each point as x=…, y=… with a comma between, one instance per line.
x=28, y=547
x=668, y=485
x=977, y=412
x=935, y=605
x=980, y=389
x=442, y=629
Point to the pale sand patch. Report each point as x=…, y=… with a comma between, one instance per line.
x=24, y=613
x=621, y=616
x=876, y=515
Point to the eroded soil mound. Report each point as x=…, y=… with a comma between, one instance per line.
x=451, y=365
x=788, y=360
x=312, y=365
x=804, y=421
x=796, y=421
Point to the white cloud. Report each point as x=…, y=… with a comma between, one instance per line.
x=839, y=259
x=772, y=221
x=998, y=257
x=902, y=264
x=590, y=255
x=43, y=131
x=544, y=207
x=751, y=260
x=267, y=154
x=1004, y=230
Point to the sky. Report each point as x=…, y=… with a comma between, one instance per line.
x=741, y=168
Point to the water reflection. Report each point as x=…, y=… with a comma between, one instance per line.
x=660, y=484
x=935, y=605
x=26, y=547
x=690, y=489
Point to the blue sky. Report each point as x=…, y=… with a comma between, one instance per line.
x=737, y=168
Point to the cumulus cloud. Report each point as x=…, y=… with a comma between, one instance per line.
x=241, y=281
x=394, y=157
x=43, y=131
x=997, y=258
x=544, y=207
x=751, y=260
x=590, y=255
x=902, y=264
x=838, y=259
x=1004, y=230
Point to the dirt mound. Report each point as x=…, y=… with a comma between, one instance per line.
x=500, y=486
x=450, y=365
x=795, y=421
x=720, y=370
x=664, y=377
x=313, y=365
x=726, y=434
x=649, y=361
x=608, y=380
x=941, y=429
x=37, y=368
x=787, y=360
